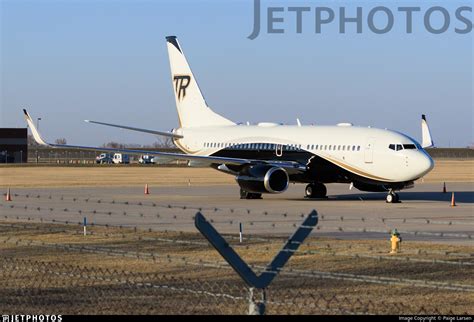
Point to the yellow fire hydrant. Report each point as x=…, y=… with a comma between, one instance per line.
x=396, y=241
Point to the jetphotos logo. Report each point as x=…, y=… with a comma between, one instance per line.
x=31, y=318
x=353, y=19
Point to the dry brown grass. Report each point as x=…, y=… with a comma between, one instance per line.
x=451, y=171
x=109, y=176
x=171, y=261
x=445, y=170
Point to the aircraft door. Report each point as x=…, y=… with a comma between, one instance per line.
x=369, y=151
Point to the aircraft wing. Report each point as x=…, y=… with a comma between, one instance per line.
x=168, y=134
x=167, y=156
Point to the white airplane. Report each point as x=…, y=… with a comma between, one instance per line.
x=266, y=157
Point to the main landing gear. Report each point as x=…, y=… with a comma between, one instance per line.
x=392, y=197
x=249, y=195
x=315, y=190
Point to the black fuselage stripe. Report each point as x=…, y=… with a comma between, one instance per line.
x=319, y=169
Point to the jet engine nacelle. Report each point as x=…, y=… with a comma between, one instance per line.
x=263, y=178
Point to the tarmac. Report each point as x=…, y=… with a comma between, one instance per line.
x=424, y=213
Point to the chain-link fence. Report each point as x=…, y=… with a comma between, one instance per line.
x=34, y=287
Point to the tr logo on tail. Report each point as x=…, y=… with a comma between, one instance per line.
x=181, y=82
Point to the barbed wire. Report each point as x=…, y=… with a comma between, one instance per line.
x=142, y=203
x=249, y=211
x=319, y=227
x=323, y=217
x=425, y=221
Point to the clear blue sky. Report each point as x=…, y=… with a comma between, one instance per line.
x=67, y=61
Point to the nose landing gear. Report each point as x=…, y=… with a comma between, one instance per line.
x=315, y=190
x=392, y=197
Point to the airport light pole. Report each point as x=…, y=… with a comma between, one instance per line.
x=37, y=122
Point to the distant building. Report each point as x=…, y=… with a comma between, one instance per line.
x=13, y=145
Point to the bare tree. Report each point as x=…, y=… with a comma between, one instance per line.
x=61, y=141
x=165, y=142
x=113, y=145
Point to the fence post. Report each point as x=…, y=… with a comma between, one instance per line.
x=256, y=307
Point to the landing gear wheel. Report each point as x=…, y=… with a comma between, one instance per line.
x=392, y=197
x=315, y=190
x=397, y=198
x=249, y=195
x=308, y=191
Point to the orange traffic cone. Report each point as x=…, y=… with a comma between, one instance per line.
x=8, y=197
x=453, y=203
x=444, y=187
x=147, y=192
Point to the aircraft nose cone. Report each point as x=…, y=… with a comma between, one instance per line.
x=426, y=163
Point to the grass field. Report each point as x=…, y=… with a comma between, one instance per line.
x=59, y=260
x=444, y=171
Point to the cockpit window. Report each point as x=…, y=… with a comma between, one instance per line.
x=395, y=147
x=399, y=147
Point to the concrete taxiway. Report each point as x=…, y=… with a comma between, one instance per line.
x=424, y=213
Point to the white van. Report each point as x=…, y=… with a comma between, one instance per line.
x=121, y=158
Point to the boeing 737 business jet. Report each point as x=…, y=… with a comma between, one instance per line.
x=266, y=157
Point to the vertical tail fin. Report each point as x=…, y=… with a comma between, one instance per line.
x=192, y=108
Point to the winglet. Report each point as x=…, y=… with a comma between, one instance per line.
x=35, y=132
x=426, y=140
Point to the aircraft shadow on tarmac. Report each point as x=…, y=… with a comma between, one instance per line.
x=460, y=196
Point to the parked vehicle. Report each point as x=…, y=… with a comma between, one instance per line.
x=104, y=158
x=146, y=159
x=121, y=158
